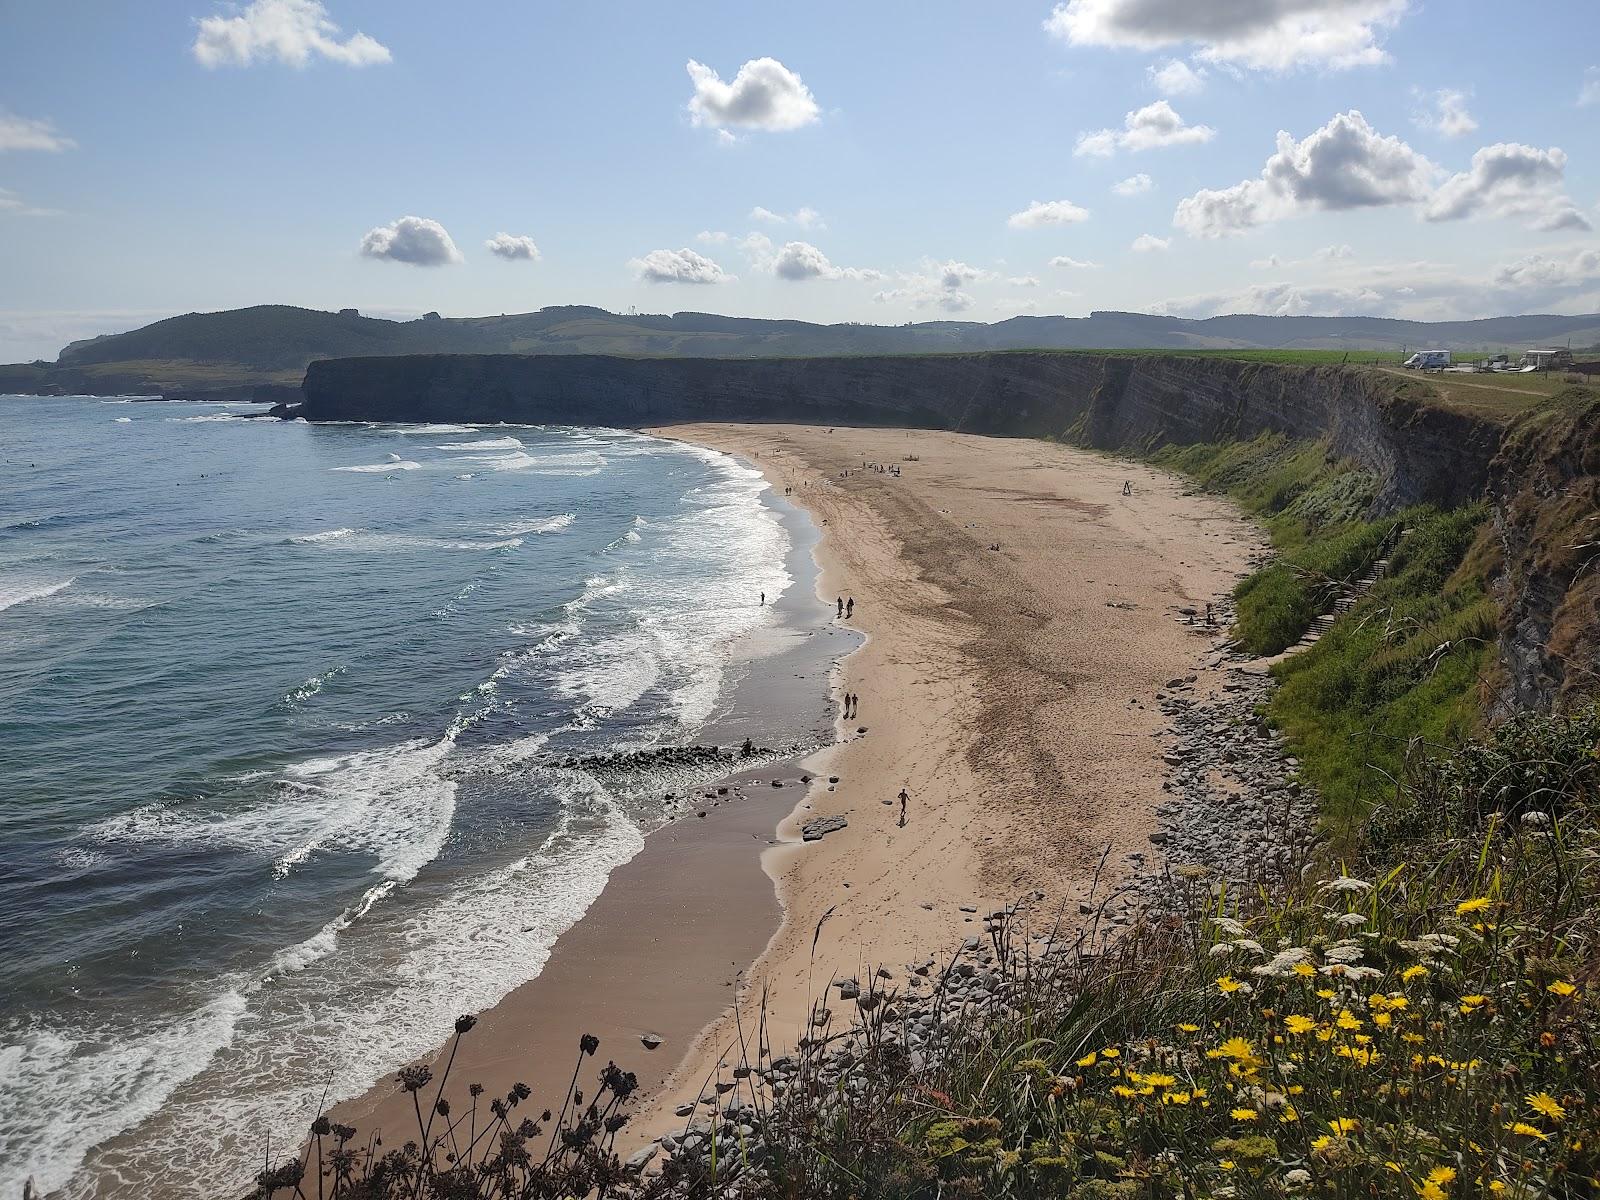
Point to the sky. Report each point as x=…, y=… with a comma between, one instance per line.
x=882, y=162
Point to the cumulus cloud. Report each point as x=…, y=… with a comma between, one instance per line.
x=12, y=205
x=804, y=217
x=1047, y=212
x=1589, y=93
x=1512, y=181
x=28, y=133
x=678, y=266
x=1176, y=78
x=513, y=247
x=1445, y=113
x=1153, y=127
x=1145, y=243
x=800, y=261
x=942, y=285
x=1271, y=35
x=1327, y=254
x=415, y=240
x=1023, y=281
x=291, y=31
x=764, y=95
x=713, y=237
x=1077, y=264
x=1133, y=185
x=1345, y=164
x=1580, y=267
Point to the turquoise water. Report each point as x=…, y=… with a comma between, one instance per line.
x=276, y=702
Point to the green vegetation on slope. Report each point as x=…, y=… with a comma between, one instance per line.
x=1400, y=667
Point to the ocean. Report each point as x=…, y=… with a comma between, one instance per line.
x=282, y=709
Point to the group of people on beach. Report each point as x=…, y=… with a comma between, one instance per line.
x=851, y=705
x=846, y=608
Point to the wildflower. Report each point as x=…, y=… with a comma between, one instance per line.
x=1546, y=1105
x=1350, y=920
x=1297, y=1178
x=1110, y=1052
x=1430, y=1191
x=1126, y=1092
x=1160, y=1081
x=1243, y=1114
x=1229, y=926
x=1561, y=988
x=414, y=1079
x=1345, y=1125
x=1326, y=993
x=1188, y=1028
x=1303, y=969
x=1227, y=985
x=1527, y=1130
x=1472, y=1003
x=1236, y=1048
x=1227, y=1164
x=1295, y=1023
x=1319, y=1144
x=1175, y=1098
x=1088, y=1060
x=1344, y=884
x=1442, y=1176
x=1411, y=972
x=1348, y=1020
x=1476, y=904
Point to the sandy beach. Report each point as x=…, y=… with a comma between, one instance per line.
x=1007, y=690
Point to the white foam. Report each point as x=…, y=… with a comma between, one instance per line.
x=433, y=430
x=581, y=462
x=27, y=591
x=504, y=443
x=538, y=525
x=374, y=468
x=326, y=535
x=123, y=420
x=312, y=686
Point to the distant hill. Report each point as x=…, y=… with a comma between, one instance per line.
x=266, y=348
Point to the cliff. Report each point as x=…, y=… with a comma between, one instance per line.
x=1545, y=488
x=1122, y=402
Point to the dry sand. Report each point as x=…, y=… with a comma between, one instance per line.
x=1008, y=691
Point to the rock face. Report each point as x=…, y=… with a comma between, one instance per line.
x=1545, y=490
x=1107, y=401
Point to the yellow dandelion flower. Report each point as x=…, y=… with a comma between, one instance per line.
x=1175, y=1098
x=1295, y=1023
x=1345, y=1125
x=1126, y=1092
x=1227, y=985
x=1431, y=1191
x=1320, y=1144
x=1496, y=1186
x=1325, y=993
x=1236, y=1048
x=1111, y=1052
x=1347, y=1020
x=1304, y=969
x=1187, y=1028
x=1561, y=988
x=1415, y=1039
x=1396, y=1003
x=1226, y=1164
x=1477, y=904
x=1160, y=1081
x=1442, y=1175
x=1243, y=1114
x=1471, y=1003
x=1527, y=1130
x=1382, y=1020
x=1413, y=971
x=1288, y=1116
x=1546, y=1105
x=1088, y=1060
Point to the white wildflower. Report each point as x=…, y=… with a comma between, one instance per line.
x=1229, y=926
x=1251, y=945
x=1344, y=884
x=1222, y=950
x=1350, y=920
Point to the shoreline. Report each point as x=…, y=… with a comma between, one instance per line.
x=660, y=950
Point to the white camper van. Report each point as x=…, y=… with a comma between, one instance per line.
x=1428, y=360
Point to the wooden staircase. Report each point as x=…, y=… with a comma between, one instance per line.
x=1351, y=595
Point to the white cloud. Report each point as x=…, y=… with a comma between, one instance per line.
x=1446, y=113
x=12, y=205
x=1327, y=254
x=1133, y=185
x=1077, y=264
x=1512, y=181
x=1176, y=78
x=415, y=240
x=765, y=94
x=799, y=261
x=1153, y=127
x=804, y=217
x=1147, y=242
x=27, y=133
x=678, y=266
x=713, y=237
x=291, y=31
x=1345, y=164
x=506, y=245
x=953, y=274
x=1023, y=281
x=1047, y=212
x=1578, y=267
x=1272, y=35
x=1589, y=93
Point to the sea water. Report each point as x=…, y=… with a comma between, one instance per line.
x=281, y=713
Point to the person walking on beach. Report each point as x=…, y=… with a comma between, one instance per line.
x=1127, y=487
x=904, y=796
x=839, y=600
x=849, y=608
x=763, y=599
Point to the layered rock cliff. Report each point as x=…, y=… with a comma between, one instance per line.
x=1108, y=401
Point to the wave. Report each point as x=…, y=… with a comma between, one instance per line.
x=12, y=595
x=326, y=535
x=539, y=525
x=223, y=416
x=123, y=420
x=433, y=430
x=581, y=462
x=503, y=443
x=395, y=463
x=312, y=686
x=363, y=541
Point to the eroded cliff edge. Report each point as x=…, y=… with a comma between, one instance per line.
x=1125, y=402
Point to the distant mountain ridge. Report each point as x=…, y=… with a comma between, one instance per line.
x=269, y=346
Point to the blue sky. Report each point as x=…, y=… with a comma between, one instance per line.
x=915, y=161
